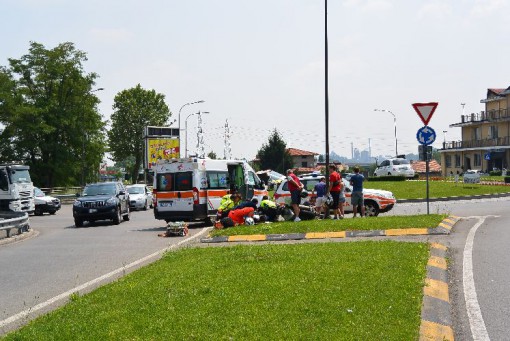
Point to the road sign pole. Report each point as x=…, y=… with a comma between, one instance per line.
x=427, y=176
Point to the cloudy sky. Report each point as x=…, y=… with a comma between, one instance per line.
x=260, y=64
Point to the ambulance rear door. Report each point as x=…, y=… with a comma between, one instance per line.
x=218, y=184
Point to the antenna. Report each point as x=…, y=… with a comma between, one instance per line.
x=227, y=150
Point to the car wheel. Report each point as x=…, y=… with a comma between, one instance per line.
x=53, y=212
x=389, y=173
x=127, y=215
x=38, y=211
x=78, y=222
x=371, y=209
x=151, y=205
x=145, y=206
x=116, y=219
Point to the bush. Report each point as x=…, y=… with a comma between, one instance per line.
x=387, y=178
x=495, y=173
x=507, y=179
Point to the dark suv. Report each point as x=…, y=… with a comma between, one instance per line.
x=101, y=201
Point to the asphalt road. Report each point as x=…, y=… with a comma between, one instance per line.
x=486, y=223
x=61, y=258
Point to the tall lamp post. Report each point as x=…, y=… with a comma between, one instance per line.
x=395, y=124
x=83, y=144
x=444, y=138
x=186, y=129
x=179, y=116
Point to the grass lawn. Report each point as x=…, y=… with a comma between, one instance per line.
x=328, y=225
x=437, y=189
x=321, y=291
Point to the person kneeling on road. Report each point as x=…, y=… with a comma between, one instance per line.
x=268, y=208
x=238, y=215
x=228, y=202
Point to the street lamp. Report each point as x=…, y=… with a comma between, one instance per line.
x=186, y=129
x=179, y=115
x=83, y=144
x=395, y=124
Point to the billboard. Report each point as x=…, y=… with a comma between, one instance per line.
x=159, y=148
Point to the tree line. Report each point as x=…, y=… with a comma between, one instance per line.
x=51, y=122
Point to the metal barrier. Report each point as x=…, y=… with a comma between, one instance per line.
x=14, y=220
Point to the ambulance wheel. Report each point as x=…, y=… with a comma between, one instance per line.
x=209, y=222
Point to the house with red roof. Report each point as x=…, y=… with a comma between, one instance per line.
x=303, y=161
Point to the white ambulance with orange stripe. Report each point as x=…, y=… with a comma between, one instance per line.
x=191, y=189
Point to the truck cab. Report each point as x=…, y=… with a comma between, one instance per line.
x=16, y=188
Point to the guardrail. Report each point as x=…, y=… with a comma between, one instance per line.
x=14, y=220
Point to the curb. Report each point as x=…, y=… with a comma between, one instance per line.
x=18, y=237
x=444, y=227
x=470, y=197
x=436, y=317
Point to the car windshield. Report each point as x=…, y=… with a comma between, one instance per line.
x=20, y=175
x=38, y=192
x=135, y=190
x=107, y=189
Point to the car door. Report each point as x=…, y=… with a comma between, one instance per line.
x=123, y=197
x=148, y=194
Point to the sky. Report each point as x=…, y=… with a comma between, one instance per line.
x=260, y=64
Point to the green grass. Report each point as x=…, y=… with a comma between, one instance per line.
x=437, y=189
x=321, y=291
x=378, y=223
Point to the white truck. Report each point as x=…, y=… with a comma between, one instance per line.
x=16, y=188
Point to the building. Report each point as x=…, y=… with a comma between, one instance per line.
x=302, y=158
x=485, y=143
x=420, y=168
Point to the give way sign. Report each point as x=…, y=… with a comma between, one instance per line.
x=425, y=110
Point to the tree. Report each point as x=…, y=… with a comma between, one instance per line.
x=134, y=109
x=50, y=115
x=212, y=155
x=274, y=155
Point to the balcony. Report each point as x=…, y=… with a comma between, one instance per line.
x=495, y=143
x=483, y=116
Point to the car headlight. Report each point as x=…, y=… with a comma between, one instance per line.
x=77, y=203
x=111, y=201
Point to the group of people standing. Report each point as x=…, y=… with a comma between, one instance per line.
x=336, y=191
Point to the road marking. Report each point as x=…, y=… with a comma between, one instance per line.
x=476, y=322
x=68, y=293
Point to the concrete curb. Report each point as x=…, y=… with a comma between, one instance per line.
x=470, y=197
x=19, y=237
x=443, y=228
x=436, y=317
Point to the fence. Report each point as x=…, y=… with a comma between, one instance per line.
x=13, y=220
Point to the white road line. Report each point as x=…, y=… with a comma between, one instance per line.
x=476, y=322
x=68, y=293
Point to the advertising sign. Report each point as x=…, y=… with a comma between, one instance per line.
x=159, y=148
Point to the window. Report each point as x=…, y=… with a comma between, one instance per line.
x=457, y=160
x=478, y=160
x=174, y=181
x=493, y=132
x=304, y=164
x=448, y=160
x=216, y=180
x=385, y=163
x=477, y=134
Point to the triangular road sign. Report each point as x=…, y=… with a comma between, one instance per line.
x=425, y=110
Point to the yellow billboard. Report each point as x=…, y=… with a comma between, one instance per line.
x=160, y=149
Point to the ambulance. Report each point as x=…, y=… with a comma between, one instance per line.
x=191, y=189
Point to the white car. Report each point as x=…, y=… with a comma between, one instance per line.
x=45, y=203
x=472, y=176
x=140, y=197
x=397, y=167
x=376, y=201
